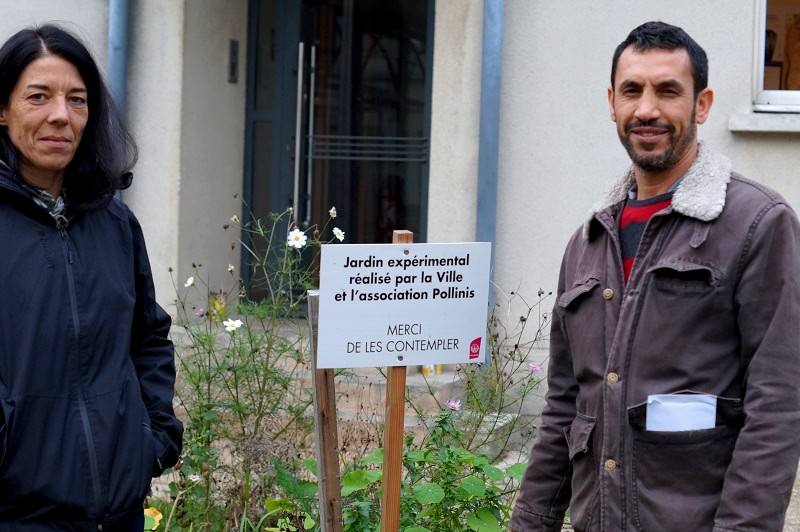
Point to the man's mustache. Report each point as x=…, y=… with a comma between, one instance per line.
x=650, y=123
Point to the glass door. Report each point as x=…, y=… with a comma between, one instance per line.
x=338, y=113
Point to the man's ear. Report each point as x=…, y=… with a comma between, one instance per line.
x=702, y=105
x=611, y=104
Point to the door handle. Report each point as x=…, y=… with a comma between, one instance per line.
x=297, y=134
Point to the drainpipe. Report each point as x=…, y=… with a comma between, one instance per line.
x=118, y=53
x=486, y=223
x=118, y=50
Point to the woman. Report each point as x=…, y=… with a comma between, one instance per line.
x=86, y=368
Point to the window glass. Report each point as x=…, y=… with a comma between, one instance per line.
x=778, y=59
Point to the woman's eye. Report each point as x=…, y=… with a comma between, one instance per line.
x=38, y=97
x=77, y=100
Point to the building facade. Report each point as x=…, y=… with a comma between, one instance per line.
x=390, y=115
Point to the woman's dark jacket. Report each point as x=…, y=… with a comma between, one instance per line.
x=86, y=368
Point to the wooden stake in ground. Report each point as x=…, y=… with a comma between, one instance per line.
x=393, y=431
x=325, y=427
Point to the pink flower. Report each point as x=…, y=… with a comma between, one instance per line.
x=453, y=404
x=200, y=312
x=458, y=367
x=534, y=368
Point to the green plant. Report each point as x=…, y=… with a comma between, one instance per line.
x=241, y=379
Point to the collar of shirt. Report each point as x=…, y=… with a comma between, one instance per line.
x=632, y=192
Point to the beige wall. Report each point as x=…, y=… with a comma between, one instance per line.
x=154, y=114
x=212, y=133
x=558, y=147
x=86, y=18
x=189, y=122
x=455, y=120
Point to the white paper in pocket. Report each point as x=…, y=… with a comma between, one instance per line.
x=676, y=412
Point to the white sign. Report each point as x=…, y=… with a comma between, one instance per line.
x=402, y=304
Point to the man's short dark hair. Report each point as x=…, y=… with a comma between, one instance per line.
x=663, y=36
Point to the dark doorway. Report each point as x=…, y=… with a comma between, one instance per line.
x=358, y=139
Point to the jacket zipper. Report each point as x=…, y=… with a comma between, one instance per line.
x=87, y=429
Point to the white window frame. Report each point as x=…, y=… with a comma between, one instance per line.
x=773, y=101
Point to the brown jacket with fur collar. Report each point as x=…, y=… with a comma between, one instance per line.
x=712, y=306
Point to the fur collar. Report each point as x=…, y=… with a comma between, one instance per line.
x=700, y=195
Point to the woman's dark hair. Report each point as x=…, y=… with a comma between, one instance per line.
x=663, y=36
x=107, y=151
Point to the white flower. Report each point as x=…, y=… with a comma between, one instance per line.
x=189, y=282
x=332, y=212
x=232, y=325
x=297, y=238
x=230, y=268
x=338, y=233
x=235, y=219
x=194, y=478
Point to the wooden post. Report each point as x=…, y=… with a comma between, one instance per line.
x=394, y=425
x=325, y=427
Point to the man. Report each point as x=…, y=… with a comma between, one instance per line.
x=673, y=400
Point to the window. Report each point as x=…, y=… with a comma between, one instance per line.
x=777, y=87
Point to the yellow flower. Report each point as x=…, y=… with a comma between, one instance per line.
x=155, y=515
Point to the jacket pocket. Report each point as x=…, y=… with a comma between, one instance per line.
x=684, y=275
x=584, y=470
x=678, y=476
x=578, y=289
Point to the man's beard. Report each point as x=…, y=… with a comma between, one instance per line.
x=659, y=162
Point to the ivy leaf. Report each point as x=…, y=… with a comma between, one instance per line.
x=493, y=473
x=308, y=523
x=517, y=470
x=354, y=481
x=311, y=465
x=483, y=521
x=474, y=486
x=428, y=493
x=375, y=457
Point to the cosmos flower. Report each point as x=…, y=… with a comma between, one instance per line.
x=232, y=325
x=189, y=282
x=453, y=404
x=338, y=233
x=534, y=368
x=297, y=239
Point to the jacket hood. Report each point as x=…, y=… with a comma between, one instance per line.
x=701, y=194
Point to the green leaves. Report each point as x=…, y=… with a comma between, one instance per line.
x=354, y=481
x=483, y=521
x=473, y=486
x=517, y=470
x=428, y=493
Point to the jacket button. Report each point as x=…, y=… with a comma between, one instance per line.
x=608, y=293
x=612, y=378
x=610, y=465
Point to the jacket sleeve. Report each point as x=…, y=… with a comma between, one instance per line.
x=759, y=481
x=153, y=357
x=545, y=491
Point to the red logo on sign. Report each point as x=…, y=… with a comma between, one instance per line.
x=475, y=348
